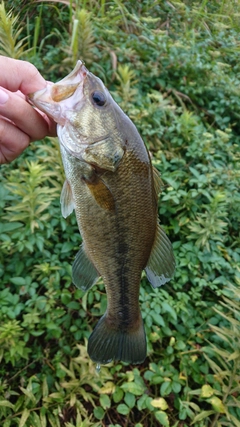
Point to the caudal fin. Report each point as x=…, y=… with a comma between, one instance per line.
x=106, y=344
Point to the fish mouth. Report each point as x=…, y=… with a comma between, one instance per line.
x=56, y=99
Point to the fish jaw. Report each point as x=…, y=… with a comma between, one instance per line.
x=58, y=100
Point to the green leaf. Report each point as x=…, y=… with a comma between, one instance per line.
x=43, y=418
x=168, y=309
x=160, y=403
x=45, y=390
x=5, y=227
x=217, y=404
x=118, y=394
x=105, y=401
x=29, y=394
x=158, y=319
x=108, y=388
x=129, y=399
x=123, y=409
x=201, y=416
x=67, y=247
x=18, y=281
x=142, y=402
x=176, y=387
x=162, y=418
x=6, y=403
x=24, y=417
x=136, y=389
x=234, y=420
x=206, y=391
x=166, y=388
x=34, y=419
x=99, y=412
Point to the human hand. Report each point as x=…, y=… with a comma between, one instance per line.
x=20, y=123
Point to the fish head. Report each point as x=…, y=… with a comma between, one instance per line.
x=81, y=106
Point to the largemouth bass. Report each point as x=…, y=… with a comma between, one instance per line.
x=113, y=188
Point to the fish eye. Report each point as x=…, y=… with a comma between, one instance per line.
x=99, y=98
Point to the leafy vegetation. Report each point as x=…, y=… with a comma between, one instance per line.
x=174, y=68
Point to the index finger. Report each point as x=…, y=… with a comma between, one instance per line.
x=20, y=75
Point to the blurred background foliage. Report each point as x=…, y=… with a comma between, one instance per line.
x=173, y=66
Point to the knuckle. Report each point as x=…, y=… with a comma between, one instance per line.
x=32, y=71
x=3, y=129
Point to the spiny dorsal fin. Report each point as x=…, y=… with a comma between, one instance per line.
x=161, y=264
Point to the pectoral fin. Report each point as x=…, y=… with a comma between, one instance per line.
x=66, y=200
x=84, y=274
x=101, y=194
x=105, y=154
x=161, y=264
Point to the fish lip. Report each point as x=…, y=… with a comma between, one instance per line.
x=71, y=77
x=44, y=98
x=34, y=97
x=43, y=101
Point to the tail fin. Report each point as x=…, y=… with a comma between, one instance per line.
x=106, y=344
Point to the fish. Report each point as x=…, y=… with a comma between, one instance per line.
x=113, y=188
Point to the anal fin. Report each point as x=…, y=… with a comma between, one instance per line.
x=161, y=263
x=84, y=274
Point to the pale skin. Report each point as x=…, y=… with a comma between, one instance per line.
x=20, y=123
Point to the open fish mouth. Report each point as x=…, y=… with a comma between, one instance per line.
x=56, y=99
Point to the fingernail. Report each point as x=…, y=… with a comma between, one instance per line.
x=3, y=97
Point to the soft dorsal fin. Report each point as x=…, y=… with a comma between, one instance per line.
x=66, y=200
x=158, y=184
x=161, y=264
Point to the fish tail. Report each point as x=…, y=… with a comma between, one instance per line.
x=108, y=343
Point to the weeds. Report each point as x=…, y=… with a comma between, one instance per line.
x=12, y=43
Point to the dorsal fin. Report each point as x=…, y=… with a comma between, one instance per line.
x=158, y=184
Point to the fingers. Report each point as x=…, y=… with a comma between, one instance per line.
x=24, y=116
x=12, y=141
x=20, y=123
x=20, y=75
